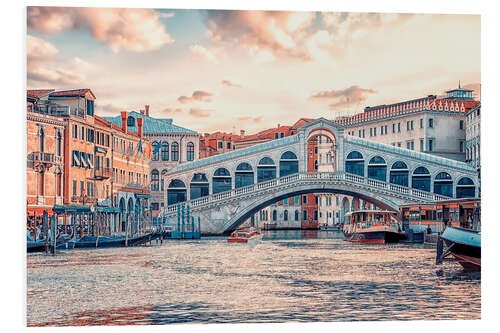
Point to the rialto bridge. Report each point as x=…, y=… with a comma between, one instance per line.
x=227, y=189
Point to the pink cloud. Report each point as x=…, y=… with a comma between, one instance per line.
x=135, y=30
x=353, y=95
x=41, y=66
x=172, y=110
x=197, y=96
x=230, y=84
x=200, y=113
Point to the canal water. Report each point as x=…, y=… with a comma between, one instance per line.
x=288, y=276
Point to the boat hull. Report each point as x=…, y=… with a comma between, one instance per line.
x=465, y=246
x=375, y=237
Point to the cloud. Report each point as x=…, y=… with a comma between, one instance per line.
x=109, y=109
x=474, y=86
x=41, y=65
x=172, y=110
x=135, y=30
x=230, y=84
x=200, y=113
x=247, y=118
x=197, y=96
x=353, y=95
x=264, y=33
x=204, y=53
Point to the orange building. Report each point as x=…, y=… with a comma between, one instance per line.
x=104, y=168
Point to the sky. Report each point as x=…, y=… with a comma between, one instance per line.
x=218, y=70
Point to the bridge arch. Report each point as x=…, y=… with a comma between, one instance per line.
x=264, y=201
x=176, y=192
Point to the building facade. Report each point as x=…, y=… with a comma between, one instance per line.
x=104, y=166
x=473, y=137
x=171, y=145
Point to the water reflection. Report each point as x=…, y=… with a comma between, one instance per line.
x=289, y=276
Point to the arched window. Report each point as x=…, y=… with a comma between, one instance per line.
x=175, y=151
x=221, y=181
x=164, y=151
x=275, y=215
x=266, y=170
x=156, y=151
x=199, y=186
x=243, y=175
x=289, y=164
x=377, y=169
x=421, y=179
x=285, y=215
x=190, y=151
x=176, y=192
x=443, y=184
x=355, y=163
x=296, y=215
x=466, y=188
x=155, y=177
x=304, y=215
x=399, y=174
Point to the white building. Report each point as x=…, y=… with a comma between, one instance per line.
x=473, y=137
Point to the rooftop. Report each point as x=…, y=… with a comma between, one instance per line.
x=236, y=153
x=411, y=153
x=152, y=125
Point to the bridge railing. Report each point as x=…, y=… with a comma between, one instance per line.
x=339, y=176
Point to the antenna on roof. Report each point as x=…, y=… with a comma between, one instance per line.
x=459, y=84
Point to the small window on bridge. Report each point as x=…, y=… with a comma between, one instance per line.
x=355, y=163
x=421, y=179
x=443, y=184
x=399, y=174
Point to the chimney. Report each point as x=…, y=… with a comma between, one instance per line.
x=142, y=111
x=147, y=110
x=278, y=125
x=124, y=121
x=242, y=133
x=139, y=127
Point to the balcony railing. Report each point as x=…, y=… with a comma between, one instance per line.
x=102, y=173
x=84, y=199
x=47, y=158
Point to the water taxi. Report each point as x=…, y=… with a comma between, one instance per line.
x=373, y=226
x=250, y=235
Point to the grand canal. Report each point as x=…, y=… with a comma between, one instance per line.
x=289, y=276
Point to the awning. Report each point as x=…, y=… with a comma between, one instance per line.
x=71, y=209
x=90, y=161
x=99, y=150
x=107, y=210
x=76, y=157
x=83, y=160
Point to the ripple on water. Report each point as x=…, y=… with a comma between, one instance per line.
x=291, y=279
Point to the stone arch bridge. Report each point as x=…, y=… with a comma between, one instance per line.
x=227, y=189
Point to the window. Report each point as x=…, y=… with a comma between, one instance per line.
x=421, y=123
x=154, y=206
x=275, y=135
x=266, y=170
x=315, y=150
x=304, y=199
x=377, y=169
x=461, y=124
x=431, y=122
x=399, y=144
x=371, y=131
x=355, y=163
x=244, y=175
x=175, y=151
x=82, y=133
x=410, y=145
x=296, y=200
x=75, y=131
x=393, y=128
x=156, y=148
x=374, y=131
x=130, y=121
x=461, y=146
x=399, y=127
x=296, y=215
x=399, y=174
x=155, y=177
x=282, y=135
x=430, y=145
x=219, y=145
x=228, y=145
x=315, y=215
x=90, y=107
x=190, y=151
x=221, y=180
x=421, y=144
x=164, y=151
x=41, y=134
x=304, y=215
x=381, y=130
x=74, y=187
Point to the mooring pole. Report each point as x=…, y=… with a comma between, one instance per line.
x=199, y=226
x=53, y=228
x=45, y=228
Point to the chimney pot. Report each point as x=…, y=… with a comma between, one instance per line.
x=124, y=121
x=147, y=110
x=142, y=111
x=139, y=127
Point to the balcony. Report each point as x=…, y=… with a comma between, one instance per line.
x=84, y=199
x=102, y=174
x=42, y=159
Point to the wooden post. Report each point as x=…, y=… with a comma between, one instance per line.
x=53, y=228
x=97, y=222
x=45, y=228
x=126, y=229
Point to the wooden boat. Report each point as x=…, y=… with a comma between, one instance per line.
x=464, y=244
x=250, y=235
x=35, y=245
x=373, y=226
x=116, y=241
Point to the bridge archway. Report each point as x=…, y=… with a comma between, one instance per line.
x=265, y=201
